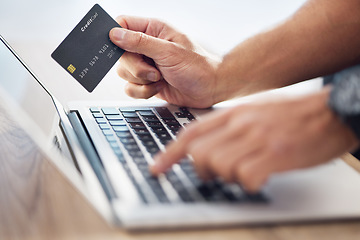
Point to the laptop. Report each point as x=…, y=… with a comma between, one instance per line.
x=106, y=149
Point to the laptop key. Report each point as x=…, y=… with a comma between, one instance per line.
x=97, y=115
x=104, y=126
x=101, y=120
x=208, y=191
x=119, y=155
x=165, y=141
x=183, y=109
x=129, y=109
x=180, y=115
x=187, y=113
x=133, y=120
x=149, y=143
x=173, y=125
x=153, y=150
x=164, y=113
x=128, y=140
x=114, y=117
x=163, y=135
x=107, y=132
x=132, y=147
x=145, y=137
x=137, y=125
x=120, y=128
x=113, y=144
x=154, y=124
x=217, y=192
x=111, y=138
x=190, y=117
x=178, y=186
x=158, y=129
x=129, y=114
x=141, y=131
x=135, y=153
x=110, y=111
x=117, y=122
x=230, y=195
x=256, y=197
x=94, y=110
x=148, y=113
x=140, y=161
x=171, y=121
x=149, y=119
x=175, y=128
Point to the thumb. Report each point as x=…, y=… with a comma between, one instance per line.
x=138, y=42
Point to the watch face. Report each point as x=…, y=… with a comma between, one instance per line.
x=346, y=93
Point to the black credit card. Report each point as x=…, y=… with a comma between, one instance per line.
x=87, y=52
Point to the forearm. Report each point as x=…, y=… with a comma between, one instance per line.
x=321, y=37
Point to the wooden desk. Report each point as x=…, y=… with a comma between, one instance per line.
x=37, y=202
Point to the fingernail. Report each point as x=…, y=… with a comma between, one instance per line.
x=157, y=166
x=151, y=76
x=118, y=34
x=153, y=169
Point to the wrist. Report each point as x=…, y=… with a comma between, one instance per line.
x=227, y=84
x=220, y=93
x=209, y=95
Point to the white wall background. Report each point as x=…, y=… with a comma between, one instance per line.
x=35, y=28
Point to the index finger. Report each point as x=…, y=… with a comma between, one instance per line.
x=139, y=24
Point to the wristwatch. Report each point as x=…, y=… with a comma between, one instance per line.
x=344, y=97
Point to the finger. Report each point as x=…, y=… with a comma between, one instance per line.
x=144, y=91
x=124, y=73
x=178, y=149
x=163, y=161
x=141, y=43
x=211, y=150
x=139, y=24
x=133, y=23
x=232, y=153
x=140, y=71
x=253, y=173
x=201, y=152
x=152, y=27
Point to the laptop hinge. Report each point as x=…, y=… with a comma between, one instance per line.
x=91, y=154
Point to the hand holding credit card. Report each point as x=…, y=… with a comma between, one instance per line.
x=87, y=53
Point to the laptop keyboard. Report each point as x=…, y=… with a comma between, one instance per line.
x=137, y=134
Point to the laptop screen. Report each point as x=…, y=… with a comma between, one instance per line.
x=25, y=91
